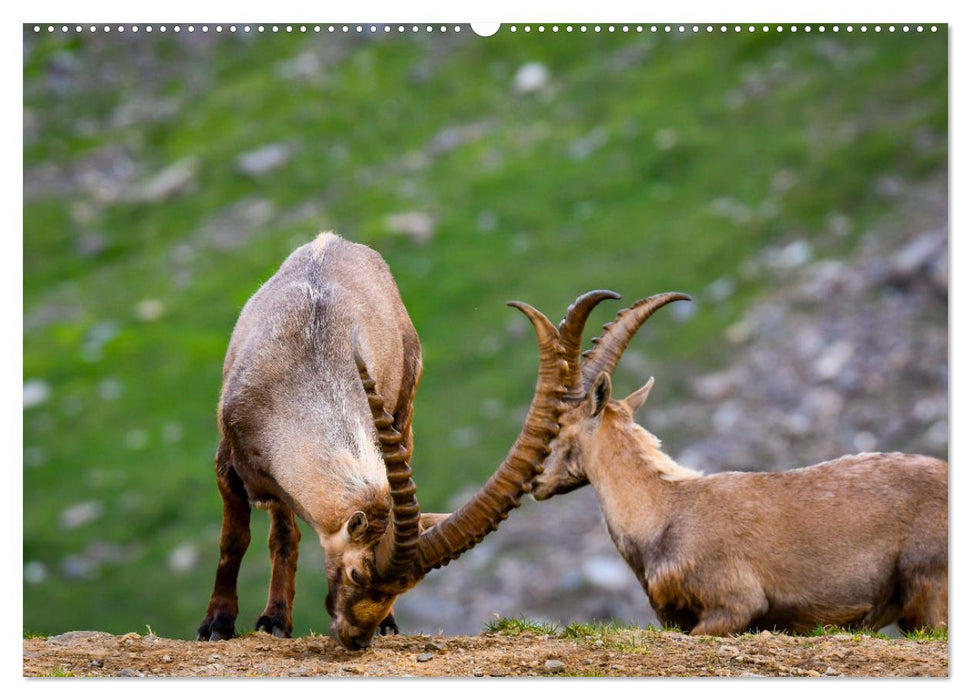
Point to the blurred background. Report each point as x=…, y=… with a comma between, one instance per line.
x=794, y=183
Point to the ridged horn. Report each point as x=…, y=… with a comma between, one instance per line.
x=609, y=347
x=571, y=334
x=396, y=552
x=491, y=504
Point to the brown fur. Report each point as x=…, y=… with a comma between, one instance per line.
x=297, y=435
x=857, y=541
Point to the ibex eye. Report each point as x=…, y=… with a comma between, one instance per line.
x=356, y=577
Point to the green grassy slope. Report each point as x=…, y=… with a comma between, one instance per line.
x=645, y=164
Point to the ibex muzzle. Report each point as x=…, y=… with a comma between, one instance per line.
x=859, y=541
x=304, y=433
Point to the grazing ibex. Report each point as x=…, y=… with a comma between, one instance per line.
x=860, y=541
x=303, y=431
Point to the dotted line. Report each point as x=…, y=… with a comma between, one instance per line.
x=244, y=28
x=723, y=28
x=428, y=28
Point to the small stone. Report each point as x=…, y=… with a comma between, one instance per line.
x=665, y=139
x=175, y=179
x=166, y=659
x=720, y=289
x=728, y=649
x=183, y=558
x=36, y=392
x=91, y=244
x=352, y=669
x=531, y=77
x=127, y=673
x=609, y=573
x=766, y=633
x=80, y=514
x=554, y=665
x=864, y=441
x=34, y=572
x=97, y=663
x=263, y=160
x=149, y=310
x=419, y=226
x=478, y=672
x=424, y=657
x=834, y=360
x=830, y=671
x=434, y=646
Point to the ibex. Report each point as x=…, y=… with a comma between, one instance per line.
x=303, y=432
x=859, y=541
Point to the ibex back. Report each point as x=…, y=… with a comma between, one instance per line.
x=316, y=354
x=858, y=541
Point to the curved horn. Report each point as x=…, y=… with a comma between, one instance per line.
x=571, y=334
x=608, y=348
x=491, y=504
x=397, y=549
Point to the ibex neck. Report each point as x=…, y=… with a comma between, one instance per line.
x=633, y=476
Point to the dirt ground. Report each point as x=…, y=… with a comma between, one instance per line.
x=628, y=653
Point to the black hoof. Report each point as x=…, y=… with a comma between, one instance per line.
x=216, y=627
x=388, y=626
x=275, y=625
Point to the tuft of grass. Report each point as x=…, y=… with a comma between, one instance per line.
x=927, y=635
x=29, y=634
x=619, y=636
x=60, y=672
x=856, y=633
x=585, y=673
x=514, y=626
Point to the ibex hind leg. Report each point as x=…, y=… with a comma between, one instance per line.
x=724, y=620
x=284, y=544
x=720, y=622
x=924, y=603
x=220, y=620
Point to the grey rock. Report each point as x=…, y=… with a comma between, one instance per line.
x=36, y=393
x=422, y=658
x=554, y=665
x=264, y=159
x=80, y=514
x=609, y=573
x=531, y=77
x=419, y=226
x=77, y=637
x=175, y=179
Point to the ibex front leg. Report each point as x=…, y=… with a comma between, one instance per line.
x=220, y=620
x=284, y=547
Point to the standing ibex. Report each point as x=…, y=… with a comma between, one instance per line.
x=857, y=541
x=298, y=436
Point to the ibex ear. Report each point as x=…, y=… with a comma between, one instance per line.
x=599, y=394
x=427, y=521
x=356, y=527
x=639, y=397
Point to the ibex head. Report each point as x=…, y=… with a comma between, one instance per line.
x=589, y=405
x=392, y=557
